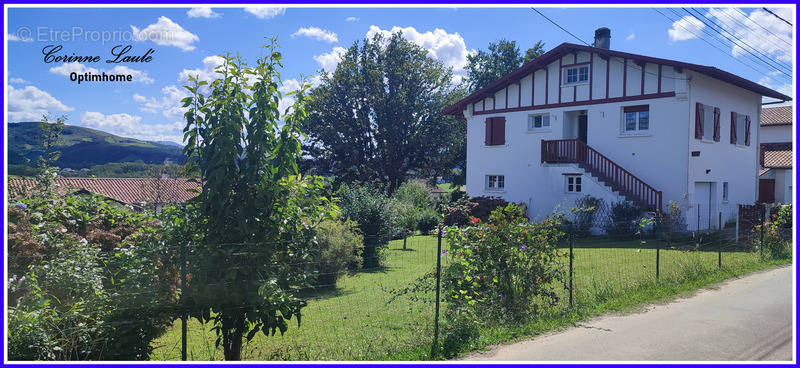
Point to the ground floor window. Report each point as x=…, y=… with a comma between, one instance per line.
x=574, y=183
x=495, y=182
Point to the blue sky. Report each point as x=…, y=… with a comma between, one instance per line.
x=312, y=38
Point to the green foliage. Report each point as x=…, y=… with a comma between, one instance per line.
x=416, y=208
x=340, y=247
x=257, y=214
x=463, y=211
x=535, y=51
x=505, y=270
x=502, y=57
x=375, y=215
x=622, y=222
x=89, y=280
x=428, y=220
x=372, y=119
x=672, y=221
x=584, y=214
x=777, y=234
x=414, y=193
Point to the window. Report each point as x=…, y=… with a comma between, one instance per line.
x=575, y=75
x=725, y=191
x=574, y=183
x=495, y=131
x=541, y=121
x=739, y=129
x=636, y=119
x=706, y=123
x=495, y=182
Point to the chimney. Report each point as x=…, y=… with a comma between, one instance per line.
x=602, y=38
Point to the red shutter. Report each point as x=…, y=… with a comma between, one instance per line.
x=488, y=140
x=499, y=131
x=716, y=124
x=747, y=130
x=698, y=121
x=733, y=127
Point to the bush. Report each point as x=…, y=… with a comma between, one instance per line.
x=463, y=211
x=777, y=240
x=623, y=220
x=489, y=263
x=340, y=248
x=374, y=214
x=428, y=220
x=99, y=284
x=584, y=214
x=414, y=193
x=671, y=221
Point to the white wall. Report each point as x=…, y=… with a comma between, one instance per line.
x=721, y=161
x=775, y=134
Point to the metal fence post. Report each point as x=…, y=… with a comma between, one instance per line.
x=438, y=288
x=658, y=252
x=571, y=245
x=184, y=314
x=761, y=229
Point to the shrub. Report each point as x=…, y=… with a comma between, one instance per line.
x=101, y=284
x=670, y=222
x=460, y=213
x=406, y=220
x=340, y=248
x=374, y=214
x=584, y=214
x=414, y=193
x=622, y=222
x=428, y=220
x=777, y=240
x=506, y=269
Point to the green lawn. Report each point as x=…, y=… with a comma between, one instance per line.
x=356, y=322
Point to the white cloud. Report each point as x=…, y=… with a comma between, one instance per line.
x=265, y=12
x=774, y=39
x=685, y=28
x=131, y=126
x=17, y=81
x=165, y=32
x=169, y=104
x=781, y=87
x=352, y=19
x=449, y=48
x=329, y=61
x=30, y=104
x=14, y=37
x=205, y=73
x=202, y=12
x=67, y=68
x=317, y=34
x=630, y=37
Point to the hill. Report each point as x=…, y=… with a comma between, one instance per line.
x=84, y=147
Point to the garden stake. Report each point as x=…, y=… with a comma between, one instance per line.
x=438, y=287
x=183, y=302
x=571, y=241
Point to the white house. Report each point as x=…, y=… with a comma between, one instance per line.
x=775, y=180
x=584, y=120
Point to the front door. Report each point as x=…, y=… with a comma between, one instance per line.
x=766, y=190
x=582, y=128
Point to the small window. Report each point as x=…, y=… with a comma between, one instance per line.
x=740, y=129
x=541, y=121
x=636, y=119
x=574, y=183
x=725, y=191
x=708, y=122
x=575, y=75
x=495, y=182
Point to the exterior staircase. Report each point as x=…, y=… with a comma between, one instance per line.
x=603, y=169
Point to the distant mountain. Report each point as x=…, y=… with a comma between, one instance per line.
x=167, y=143
x=83, y=147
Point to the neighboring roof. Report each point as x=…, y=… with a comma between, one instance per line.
x=545, y=59
x=776, y=155
x=133, y=191
x=776, y=116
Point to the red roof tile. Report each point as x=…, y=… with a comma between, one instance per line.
x=132, y=191
x=775, y=116
x=776, y=155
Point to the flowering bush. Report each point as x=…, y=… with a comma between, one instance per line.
x=777, y=234
x=507, y=268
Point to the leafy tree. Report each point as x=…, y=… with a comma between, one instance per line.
x=374, y=119
x=502, y=57
x=255, y=214
x=534, y=52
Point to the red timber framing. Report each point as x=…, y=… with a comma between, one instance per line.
x=583, y=102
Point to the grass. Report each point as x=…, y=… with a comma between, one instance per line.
x=356, y=322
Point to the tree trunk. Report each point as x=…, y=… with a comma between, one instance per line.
x=404, y=242
x=232, y=345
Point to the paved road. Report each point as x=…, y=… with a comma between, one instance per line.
x=744, y=319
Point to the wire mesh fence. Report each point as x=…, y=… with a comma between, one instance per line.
x=382, y=307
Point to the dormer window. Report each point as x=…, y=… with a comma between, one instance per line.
x=576, y=75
